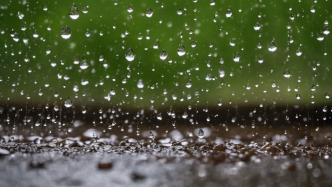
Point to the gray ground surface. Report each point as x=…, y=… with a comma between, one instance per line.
x=59, y=169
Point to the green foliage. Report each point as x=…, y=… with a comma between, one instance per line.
x=108, y=24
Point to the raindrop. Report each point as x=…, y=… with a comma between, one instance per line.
x=65, y=32
x=229, y=12
x=149, y=12
x=152, y=99
x=257, y=26
x=200, y=133
x=151, y=136
x=24, y=27
x=130, y=8
x=185, y=115
x=140, y=84
x=298, y=52
x=236, y=57
x=272, y=46
x=260, y=59
x=259, y=46
x=156, y=44
x=181, y=50
x=85, y=9
x=74, y=12
x=219, y=102
x=298, y=96
x=179, y=12
x=112, y=91
x=163, y=55
x=87, y=34
x=84, y=63
x=327, y=96
x=326, y=30
x=320, y=37
x=75, y=88
x=48, y=51
x=313, y=9
x=287, y=73
x=68, y=102
x=101, y=58
x=16, y=37
x=35, y=34
x=140, y=36
x=130, y=55
x=159, y=117
x=20, y=15
x=188, y=85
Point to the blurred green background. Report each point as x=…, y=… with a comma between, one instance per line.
x=108, y=21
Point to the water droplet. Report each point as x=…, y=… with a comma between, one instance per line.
x=140, y=36
x=140, y=84
x=188, y=85
x=291, y=17
x=272, y=46
x=298, y=96
x=259, y=46
x=287, y=73
x=130, y=55
x=74, y=12
x=181, y=50
x=163, y=55
x=65, y=32
x=257, y=26
x=298, y=52
x=152, y=99
x=85, y=9
x=156, y=44
x=320, y=37
x=130, y=8
x=24, y=27
x=48, y=51
x=229, y=12
x=219, y=102
x=327, y=96
x=200, y=133
x=185, y=115
x=75, y=88
x=68, y=102
x=101, y=58
x=149, y=12
x=151, y=136
x=84, y=63
x=20, y=15
x=326, y=30
x=313, y=9
x=159, y=117
x=35, y=34
x=193, y=44
x=112, y=91
x=87, y=34
x=236, y=57
x=260, y=59
x=179, y=12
